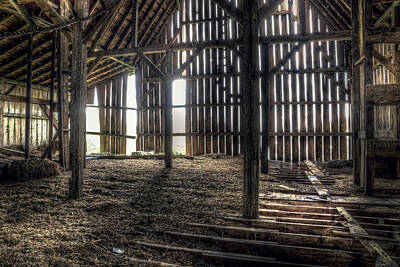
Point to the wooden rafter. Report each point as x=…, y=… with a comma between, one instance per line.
x=54, y=16
x=22, y=12
x=231, y=10
x=268, y=8
x=386, y=14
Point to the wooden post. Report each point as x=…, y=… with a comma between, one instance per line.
x=396, y=57
x=265, y=108
x=366, y=78
x=251, y=112
x=168, y=113
x=124, y=111
x=28, y=98
x=62, y=93
x=52, y=80
x=138, y=75
x=78, y=101
x=355, y=94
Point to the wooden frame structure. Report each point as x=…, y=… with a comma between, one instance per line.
x=269, y=79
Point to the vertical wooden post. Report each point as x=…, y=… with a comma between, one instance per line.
x=251, y=112
x=124, y=104
x=28, y=98
x=366, y=78
x=63, y=53
x=78, y=101
x=396, y=57
x=355, y=94
x=265, y=108
x=52, y=80
x=168, y=113
x=60, y=97
x=138, y=75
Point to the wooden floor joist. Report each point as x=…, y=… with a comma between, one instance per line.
x=383, y=259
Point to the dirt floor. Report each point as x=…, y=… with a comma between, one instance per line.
x=125, y=201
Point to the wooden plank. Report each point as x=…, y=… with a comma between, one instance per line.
x=207, y=82
x=201, y=29
x=383, y=259
x=278, y=92
x=309, y=91
x=296, y=254
x=291, y=239
x=313, y=175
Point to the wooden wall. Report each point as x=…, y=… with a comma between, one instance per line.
x=386, y=116
x=111, y=97
x=13, y=118
x=309, y=112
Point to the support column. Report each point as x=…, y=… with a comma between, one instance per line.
x=62, y=93
x=52, y=80
x=168, y=113
x=366, y=109
x=355, y=93
x=265, y=91
x=28, y=99
x=396, y=56
x=78, y=101
x=251, y=112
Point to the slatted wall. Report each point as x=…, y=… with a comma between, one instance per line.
x=13, y=118
x=112, y=104
x=309, y=112
x=385, y=122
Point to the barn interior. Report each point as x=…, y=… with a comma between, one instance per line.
x=200, y=132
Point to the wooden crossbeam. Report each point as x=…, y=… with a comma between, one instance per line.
x=383, y=259
x=381, y=20
x=268, y=8
x=286, y=58
x=384, y=61
x=54, y=16
x=22, y=12
x=231, y=10
x=185, y=65
x=152, y=66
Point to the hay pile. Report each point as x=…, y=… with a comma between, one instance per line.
x=33, y=168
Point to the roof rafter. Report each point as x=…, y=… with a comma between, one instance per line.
x=231, y=10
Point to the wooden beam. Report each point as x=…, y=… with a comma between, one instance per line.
x=158, y=49
x=265, y=95
x=285, y=59
x=22, y=12
x=383, y=259
x=107, y=22
x=52, y=84
x=231, y=10
x=78, y=101
x=54, y=16
x=189, y=61
x=251, y=112
x=28, y=99
x=168, y=118
x=386, y=15
x=384, y=61
x=152, y=66
x=355, y=93
x=268, y=8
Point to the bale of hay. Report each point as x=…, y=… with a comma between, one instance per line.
x=33, y=168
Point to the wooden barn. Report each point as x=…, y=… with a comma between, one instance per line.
x=199, y=133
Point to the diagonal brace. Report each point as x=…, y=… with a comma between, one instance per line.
x=152, y=66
